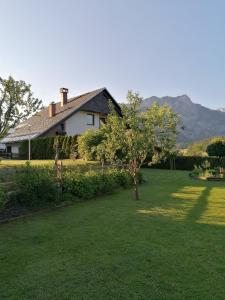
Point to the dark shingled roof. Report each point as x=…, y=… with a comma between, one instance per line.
x=41, y=122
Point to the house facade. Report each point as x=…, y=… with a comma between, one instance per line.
x=70, y=116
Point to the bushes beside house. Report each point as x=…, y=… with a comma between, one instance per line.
x=44, y=148
x=87, y=143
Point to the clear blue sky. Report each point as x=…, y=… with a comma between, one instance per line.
x=161, y=47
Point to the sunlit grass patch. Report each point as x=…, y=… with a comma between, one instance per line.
x=214, y=212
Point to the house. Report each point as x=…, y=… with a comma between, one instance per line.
x=67, y=117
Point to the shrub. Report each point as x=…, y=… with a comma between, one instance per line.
x=44, y=148
x=2, y=197
x=199, y=148
x=188, y=162
x=36, y=185
x=41, y=148
x=74, y=147
x=216, y=149
x=87, y=143
x=92, y=183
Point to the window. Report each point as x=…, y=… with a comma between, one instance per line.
x=62, y=126
x=90, y=119
x=102, y=120
x=9, y=149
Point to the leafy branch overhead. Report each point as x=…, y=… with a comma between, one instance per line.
x=16, y=103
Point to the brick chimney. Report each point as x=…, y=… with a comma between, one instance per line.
x=63, y=92
x=52, y=109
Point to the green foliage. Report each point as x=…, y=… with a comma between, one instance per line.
x=216, y=149
x=41, y=148
x=90, y=184
x=188, y=162
x=2, y=197
x=44, y=148
x=88, y=143
x=74, y=147
x=199, y=148
x=37, y=186
x=129, y=139
x=16, y=103
x=68, y=146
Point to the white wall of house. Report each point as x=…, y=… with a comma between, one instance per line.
x=79, y=122
x=15, y=148
x=2, y=146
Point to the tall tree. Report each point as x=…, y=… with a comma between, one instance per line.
x=129, y=139
x=16, y=103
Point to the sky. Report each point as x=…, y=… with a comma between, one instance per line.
x=161, y=47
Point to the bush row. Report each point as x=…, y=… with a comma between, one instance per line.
x=2, y=197
x=92, y=183
x=45, y=148
x=37, y=186
x=188, y=162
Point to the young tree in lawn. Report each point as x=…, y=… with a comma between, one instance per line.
x=16, y=103
x=130, y=138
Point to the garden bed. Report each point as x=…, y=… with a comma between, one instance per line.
x=209, y=178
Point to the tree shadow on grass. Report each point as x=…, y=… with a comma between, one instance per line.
x=199, y=208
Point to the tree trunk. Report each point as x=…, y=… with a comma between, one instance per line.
x=136, y=190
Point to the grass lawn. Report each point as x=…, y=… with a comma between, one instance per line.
x=11, y=163
x=169, y=245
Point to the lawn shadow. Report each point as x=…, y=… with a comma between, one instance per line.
x=199, y=208
x=185, y=199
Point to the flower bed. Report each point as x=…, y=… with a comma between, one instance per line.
x=204, y=172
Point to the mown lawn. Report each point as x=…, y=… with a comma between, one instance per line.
x=169, y=245
x=11, y=163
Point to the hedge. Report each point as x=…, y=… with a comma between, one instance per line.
x=90, y=184
x=2, y=197
x=44, y=148
x=188, y=162
x=38, y=187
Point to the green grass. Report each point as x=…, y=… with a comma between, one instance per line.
x=169, y=245
x=11, y=163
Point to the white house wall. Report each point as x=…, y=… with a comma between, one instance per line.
x=14, y=148
x=77, y=123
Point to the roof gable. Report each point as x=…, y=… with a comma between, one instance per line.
x=41, y=123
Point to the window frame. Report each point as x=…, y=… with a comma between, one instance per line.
x=93, y=119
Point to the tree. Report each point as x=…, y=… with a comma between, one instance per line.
x=129, y=139
x=16, y=103
x=216, y=149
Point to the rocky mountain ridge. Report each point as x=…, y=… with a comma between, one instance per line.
x=199, y=121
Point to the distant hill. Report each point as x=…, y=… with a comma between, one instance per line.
x=200, y=122
x=221, y=109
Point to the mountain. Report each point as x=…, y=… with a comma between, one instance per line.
x=221, y=109
x=200, y=122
